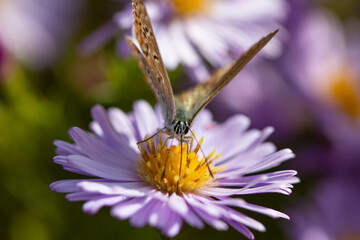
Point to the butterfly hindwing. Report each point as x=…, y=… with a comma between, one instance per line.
x=143, y=65
x=192, y=101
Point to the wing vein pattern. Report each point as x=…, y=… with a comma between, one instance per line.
x=151, y=62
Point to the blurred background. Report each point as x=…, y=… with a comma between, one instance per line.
x=60, y=57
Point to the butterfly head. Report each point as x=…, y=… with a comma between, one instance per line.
x=181, y=128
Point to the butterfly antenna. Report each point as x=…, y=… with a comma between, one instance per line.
x=181, y=149
x=147, y=139
x=166, y=160
x=206, y=160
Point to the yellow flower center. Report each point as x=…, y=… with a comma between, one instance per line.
x=185, y=7
x=343, y=90
x=172, y=170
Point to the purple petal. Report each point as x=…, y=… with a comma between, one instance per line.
x=98, y=38
x=119, y=142
x=198, y=32
x=64, y=148
x=94, y=205
x=172, y=226
x=102, y=170
x=240, y=228
x=255, y=208
x=122, y=124
x=209, y=215
x=141, y=218
x=185, y=50
x=63, y=160
x=115, y=188
x=212, y=221
x=126, y=209
x=164, y=38
x=65, y=185
x=227, y=137
x=92, y=147
x=270, y=177
x=243, y=219
x=81, y=196
x=159, y=217
x=146, y=121
x=178, y=205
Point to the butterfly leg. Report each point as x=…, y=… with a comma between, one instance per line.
x=147, y=139
x=170, y=137
x=167, y=157
x=181, y=151
x=206, y=160
x=183, y=140
x=186, y=140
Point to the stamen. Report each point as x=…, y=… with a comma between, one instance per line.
x=162, y=168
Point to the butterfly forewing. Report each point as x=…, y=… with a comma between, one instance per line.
x=158, y=78
x=192, y=101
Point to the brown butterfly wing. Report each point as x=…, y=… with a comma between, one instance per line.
x=158, y=78
x=135, y=52
x=192, y=101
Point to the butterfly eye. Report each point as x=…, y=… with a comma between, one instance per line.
x=186, y=130
x=177, y=128
x=181, y=128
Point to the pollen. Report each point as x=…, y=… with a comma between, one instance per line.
x=172, y=169
x=185, y=7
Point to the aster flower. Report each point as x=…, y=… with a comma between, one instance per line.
x=33, y=30
x=190, y=31
x=129, y=179
x=332, y=212
x=323, y=64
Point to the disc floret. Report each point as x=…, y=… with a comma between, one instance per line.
x=159, y=165
x=186, y=7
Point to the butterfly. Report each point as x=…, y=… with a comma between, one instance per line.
x=179, y=110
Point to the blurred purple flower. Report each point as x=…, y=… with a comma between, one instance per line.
x=128, y=178
x=2, y=59
x=332, y=213
x=190, y=31
x=34, y=30
x=324, y=66
x=262, y=93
